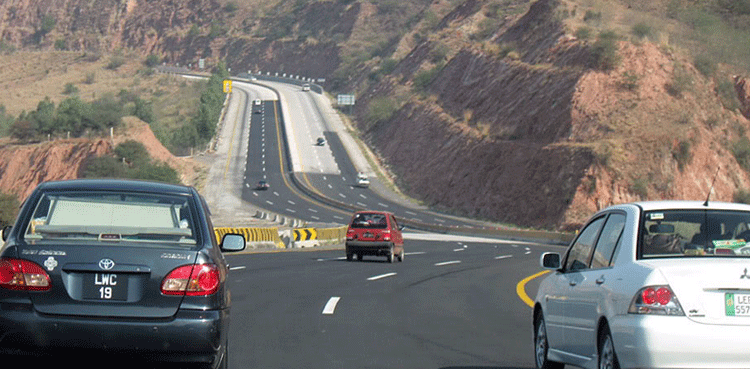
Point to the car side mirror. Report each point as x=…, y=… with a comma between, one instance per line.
x=6, y=232
x=233, y=242
x=550, y=260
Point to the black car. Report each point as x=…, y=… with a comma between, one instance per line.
x=130, y=268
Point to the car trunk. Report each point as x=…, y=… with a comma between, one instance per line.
x=118, y=280
x=703, y=287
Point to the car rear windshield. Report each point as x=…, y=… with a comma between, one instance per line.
x=697, y=233
x=113, y=217
x=370, y=220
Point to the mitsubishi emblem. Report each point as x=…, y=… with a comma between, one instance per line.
x=108, y=264
x=745, y=276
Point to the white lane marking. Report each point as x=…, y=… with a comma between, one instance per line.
x=410, y=212
x=363, y=196
x=383, y=205
x=237, y=268
x=457, y=250
x=448, y=263
x=331, y=305
x=415, y=253
x=312, y=210
x=331, y=259
x=503, y=257
x=375, y=278
x=528, y=251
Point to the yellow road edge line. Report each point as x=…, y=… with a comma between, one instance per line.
x=521, y=288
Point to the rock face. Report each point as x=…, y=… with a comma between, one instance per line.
x=22, y=167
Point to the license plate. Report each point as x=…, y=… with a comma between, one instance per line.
x=105, y=286
x=737, y=304
x=368, y=235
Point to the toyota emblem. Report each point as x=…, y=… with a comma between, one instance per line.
x=106, y=264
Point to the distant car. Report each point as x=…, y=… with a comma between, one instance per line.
x=306, y=87
x=321, y=141
x=374, y=233
x=257, y=102
x=257, y=106
x=127, y=268
x=262, y=185
x=363, y=180
x=649, y=285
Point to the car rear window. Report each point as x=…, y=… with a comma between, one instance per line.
x=370, y=220
x=702, y=233
x=112, y=217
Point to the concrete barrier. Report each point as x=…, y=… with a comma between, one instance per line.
x=255, y=237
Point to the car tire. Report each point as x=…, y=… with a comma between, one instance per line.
x=359, y=257
x=541, y=345
x=391, y=255
x=349, y=257
x=607, y=355
x=401, y=256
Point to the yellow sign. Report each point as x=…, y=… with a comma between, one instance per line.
x=227, y=86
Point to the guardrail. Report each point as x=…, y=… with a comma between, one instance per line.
x=272, y=237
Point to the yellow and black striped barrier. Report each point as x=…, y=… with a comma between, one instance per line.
x=305, y=234
x=251, y=234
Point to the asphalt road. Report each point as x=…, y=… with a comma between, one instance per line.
x=450, y=304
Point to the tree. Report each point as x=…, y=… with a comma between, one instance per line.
x=133, y=152
x=44, y=116
x=72, y=116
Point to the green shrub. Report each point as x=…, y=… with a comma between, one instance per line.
x=705, y=64
x=727, y=94
x=591, y=16
x=641, y=30
x=583, y=33
x=132, y=152
x=424, y=78
x=682, y=154
x=604, y=51
x=681, y=82
x=741, y=152
x=70, y=89
x=629, y=81
x=115, y=62
x=741, y=196
x=380, y=109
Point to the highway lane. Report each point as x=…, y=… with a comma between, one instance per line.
x=450, y=304
x=331, y=169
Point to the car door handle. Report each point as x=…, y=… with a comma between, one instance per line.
x=573, y=283
x=600, y=280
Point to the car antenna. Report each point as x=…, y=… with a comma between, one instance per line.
x=712, y=186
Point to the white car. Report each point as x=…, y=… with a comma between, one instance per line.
x=662, y=284
x=306, y=87
x=362, y=180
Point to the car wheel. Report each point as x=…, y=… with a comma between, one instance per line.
x=359, y=257
x=541, y=346
x=349, y=257
x=391, y=256
x=607, y=356
x=401, y=256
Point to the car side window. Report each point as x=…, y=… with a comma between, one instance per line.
x=608, y=241
x=394, y=224
x=578, y=256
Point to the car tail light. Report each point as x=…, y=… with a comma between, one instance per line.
x=386, y=235
x=656, y=300
x=19, y=274
x=192, y=280
x=351, y=234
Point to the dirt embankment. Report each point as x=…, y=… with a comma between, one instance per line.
x=22, y=167
x=545, y=139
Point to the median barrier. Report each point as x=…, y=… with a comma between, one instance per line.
x=255, y=237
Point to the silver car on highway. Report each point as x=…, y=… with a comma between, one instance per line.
x=649, y=285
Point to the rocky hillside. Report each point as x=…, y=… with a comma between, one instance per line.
x=534, y=113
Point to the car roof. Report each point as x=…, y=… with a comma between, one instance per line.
x=683, y=204
x=114, y=185
x=372, y=212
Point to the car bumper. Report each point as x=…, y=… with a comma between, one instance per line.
x=189, y=336
x=678, y=342
x=368, y=248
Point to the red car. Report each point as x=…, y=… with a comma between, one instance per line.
x=374, y=233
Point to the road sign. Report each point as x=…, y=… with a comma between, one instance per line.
x=345, y=99
x=227, y=86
